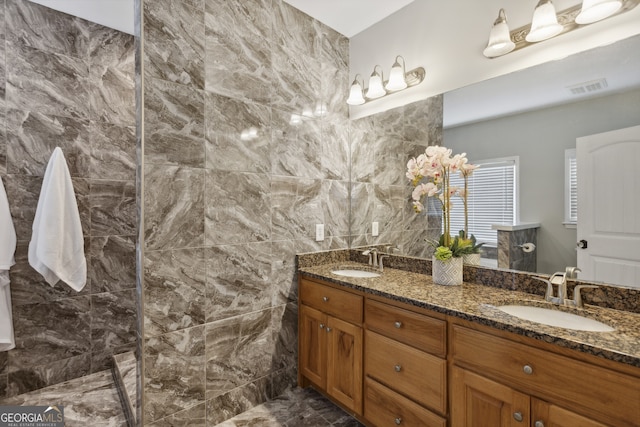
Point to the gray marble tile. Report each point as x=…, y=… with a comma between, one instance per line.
x=335, y=206
x=284, y=193
x=67, y=325
x=297, y=147
x=334, y=91
x=192, y=417
x=389, y=206
x=390, y=161
x=294, y=30
x=92, y=400
x=174, y=290
x=37, y=26
x=335, y=150
x=334, y=48
x=4, y=378
x=3, y=363
x=245, y=214
x=295, y=408
x=238, y=279
x=113, y=320
x=283, y=380
x=3, y=66
x=303, y=214
x=283, y=272
x=238, y=135
x=284, y=324
x=48, y=83
x=362, y=207
x=34, y=377
x=239, y=32
x=82, y=190
x=363, y=134
x=236, y=401
x=296, y=79
x=126, y=373
x=113, y=207
x=101, y=360
x=175, y=41
x=174, y=124
x=174, y=207
x=33, y=136
x=174, y=373
x=112, y=86
x=113, y=151
x=29, y=287
x=238, y=351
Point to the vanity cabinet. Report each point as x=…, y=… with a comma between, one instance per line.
x=515, y=384
x=330, y=342
x=405, y=367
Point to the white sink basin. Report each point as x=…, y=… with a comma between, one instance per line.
x=355, y=273
x=556, y=318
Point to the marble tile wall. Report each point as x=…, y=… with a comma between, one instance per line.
x=511, y=256
x=381, y=145
x=246, y=148
x=70, y=83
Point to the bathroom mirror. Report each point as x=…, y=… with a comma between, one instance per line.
x=537, y=114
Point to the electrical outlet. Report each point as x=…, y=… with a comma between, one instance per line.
x=319, y=232
x=374, y=229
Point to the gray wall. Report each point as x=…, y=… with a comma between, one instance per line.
x=223, y=216
x=69, y=83
x=540, y=138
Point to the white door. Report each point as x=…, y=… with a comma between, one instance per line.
x=609, y=206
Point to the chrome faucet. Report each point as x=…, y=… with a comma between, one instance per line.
x=560, y=280
x=373, y=256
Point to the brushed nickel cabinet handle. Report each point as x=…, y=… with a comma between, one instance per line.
x=325, y=299
x=527, y=369
x=398, y=325
x=398, y=368
x=328, y=329
x=518, y=416
x=398, y=421
x=538, y=424
x=321, y=325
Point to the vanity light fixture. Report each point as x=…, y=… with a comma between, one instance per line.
x=376, y=88
x=398, y=80
x=546, y=23
x=597, y=10
x=499, y=39
x=396, y=76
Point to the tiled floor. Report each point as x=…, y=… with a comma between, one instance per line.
x=88, y=401
x=296, y=408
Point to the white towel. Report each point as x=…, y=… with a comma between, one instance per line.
x=7, y=251
x=56, y=249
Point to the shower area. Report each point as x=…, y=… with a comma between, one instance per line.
x=202, y=151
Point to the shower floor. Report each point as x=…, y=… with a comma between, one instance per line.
x=88, y=401
x=295, y=408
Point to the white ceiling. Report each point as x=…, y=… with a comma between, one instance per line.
x=117, y=14
x=349, y=17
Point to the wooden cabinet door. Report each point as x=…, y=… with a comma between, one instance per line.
x=545, y=414
x=313, y=345
x=479, y=402
x=344, y=363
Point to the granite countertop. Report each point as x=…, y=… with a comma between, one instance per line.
x=478, y=303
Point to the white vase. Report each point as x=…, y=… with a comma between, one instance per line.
x=471, y=259
x=447, y=272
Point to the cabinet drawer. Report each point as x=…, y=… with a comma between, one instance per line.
x=341, y=304
x=593, y=390
x=409, y=371
x=417, y=330
x=384, y=408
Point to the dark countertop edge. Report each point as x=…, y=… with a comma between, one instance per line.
x=529, y=333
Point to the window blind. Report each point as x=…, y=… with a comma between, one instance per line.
x=491, y=199
x=571, y=187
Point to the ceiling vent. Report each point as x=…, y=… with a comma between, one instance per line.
x=588, y=87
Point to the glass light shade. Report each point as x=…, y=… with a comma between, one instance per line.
x=355, y=93
x=499, y=39
x=544, y=24
x=376, y=89
x=596, y=10
x=397, y=79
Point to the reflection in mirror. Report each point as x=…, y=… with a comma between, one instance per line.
x=537, y=114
